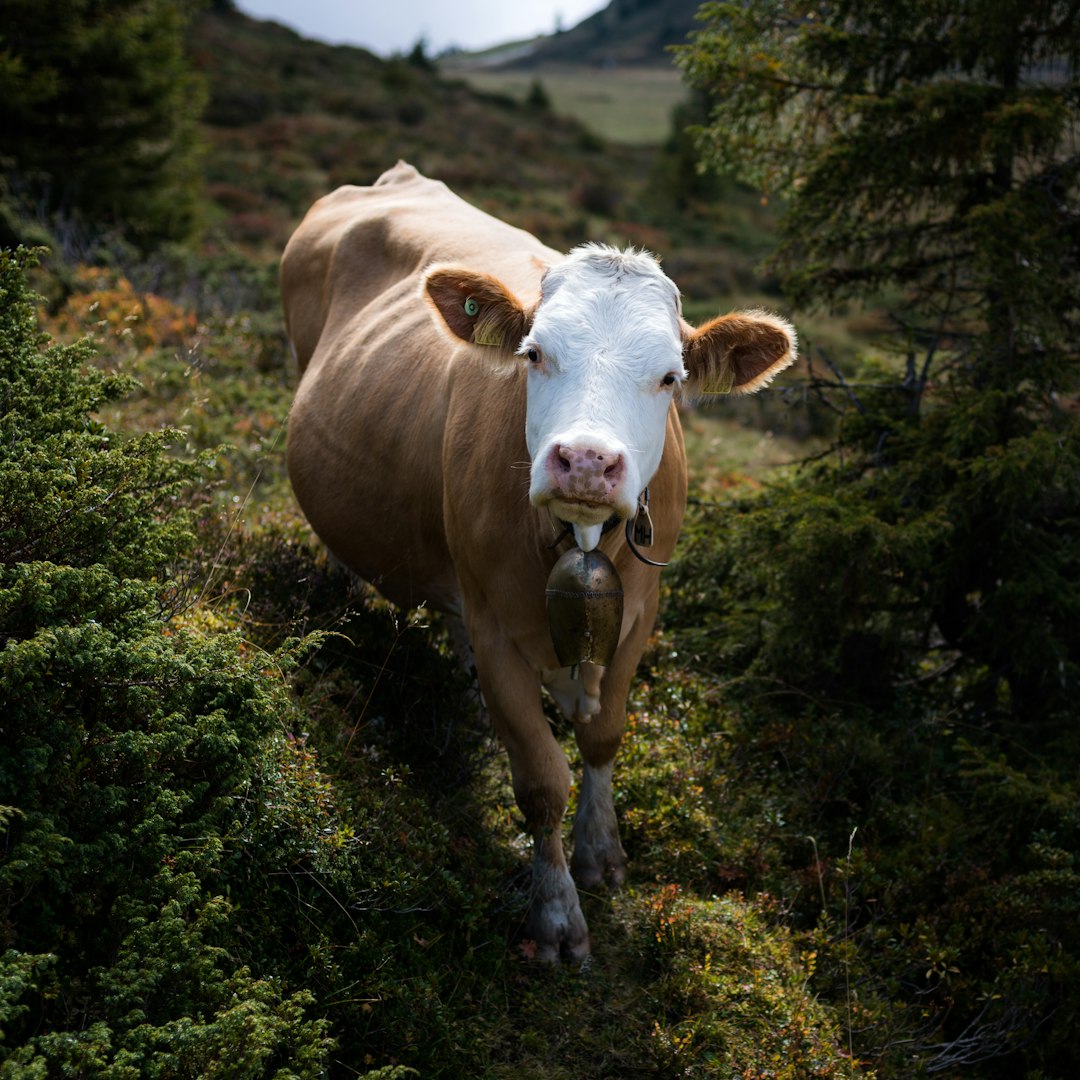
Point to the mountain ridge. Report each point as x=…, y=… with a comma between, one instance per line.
x=632, y=33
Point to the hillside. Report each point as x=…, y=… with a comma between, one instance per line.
x=614, y=71
x=252, y=822
x=290, y=119
x=626, y=32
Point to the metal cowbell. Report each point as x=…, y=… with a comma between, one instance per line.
x=584, y=600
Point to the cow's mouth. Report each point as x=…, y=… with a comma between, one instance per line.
x=585, y=511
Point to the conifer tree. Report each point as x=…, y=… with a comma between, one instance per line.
x=925, y=157
x=100, y=116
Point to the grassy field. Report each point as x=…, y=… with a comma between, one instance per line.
x=626, y=105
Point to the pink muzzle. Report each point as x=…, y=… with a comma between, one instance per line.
x=584, y=473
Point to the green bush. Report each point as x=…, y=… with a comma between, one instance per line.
x=732, y=991
x=131, y=748
x=949, y=930
x=901, y=618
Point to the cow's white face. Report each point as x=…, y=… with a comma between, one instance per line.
x=606, y=347
x=605, y=355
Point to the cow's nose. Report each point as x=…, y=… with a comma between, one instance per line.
x=585, y=472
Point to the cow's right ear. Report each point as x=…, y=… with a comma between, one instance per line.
x=477, y=308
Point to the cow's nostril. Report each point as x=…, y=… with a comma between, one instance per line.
x=613, y=469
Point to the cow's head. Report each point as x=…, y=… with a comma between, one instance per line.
x=606, y=347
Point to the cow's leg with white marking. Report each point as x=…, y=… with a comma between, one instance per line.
x=598, y=851
x=541, y=779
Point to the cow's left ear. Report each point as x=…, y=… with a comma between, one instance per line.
x=477, y=307
x=737, y=353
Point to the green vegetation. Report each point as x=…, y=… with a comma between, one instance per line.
x=630, y=105
x=191, y=888
x=914, y=624
x=253, y=824
x=101, y=114
x=133, y=750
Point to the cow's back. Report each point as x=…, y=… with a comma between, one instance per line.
x=359, y=243
x=365, y=447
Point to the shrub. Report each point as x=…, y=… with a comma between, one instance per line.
x=949, y=932
x=131, y=744
x=732, y=992
x=101, y=114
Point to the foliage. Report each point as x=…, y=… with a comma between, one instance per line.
x=238, y=855
x=955, y=480
x=210, y=373
x=101, y=112
x=128, y=742
x=68, y=493
x=908, y=602
x=733, y=994
x=927, y=863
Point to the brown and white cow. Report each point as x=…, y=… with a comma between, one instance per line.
x=466, y=393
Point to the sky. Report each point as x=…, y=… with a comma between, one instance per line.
x=395, y=26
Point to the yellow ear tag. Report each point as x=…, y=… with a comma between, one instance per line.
x=486, y=330
x=725, y=382
x=486, y=335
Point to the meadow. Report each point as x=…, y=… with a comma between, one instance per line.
x=631, y=105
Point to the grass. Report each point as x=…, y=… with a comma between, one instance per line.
x=632, y=106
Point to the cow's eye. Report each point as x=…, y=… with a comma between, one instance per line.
x=669, y=379
x=533, y=355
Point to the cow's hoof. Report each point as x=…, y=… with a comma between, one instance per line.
x=552, y=953
x=573, y=946
x=592, y=866
x=556, y=923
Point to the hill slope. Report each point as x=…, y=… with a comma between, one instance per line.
x=290, y=119
x=625, y=32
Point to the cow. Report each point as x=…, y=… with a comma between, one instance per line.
x=471, y=405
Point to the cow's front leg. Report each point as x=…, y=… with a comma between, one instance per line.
x=556, y=923
x=541, y=778
x=598, y=851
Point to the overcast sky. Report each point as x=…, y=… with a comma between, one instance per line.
x=389, y=26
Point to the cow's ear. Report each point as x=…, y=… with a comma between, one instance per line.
x=737, y=353
x=477, y=307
